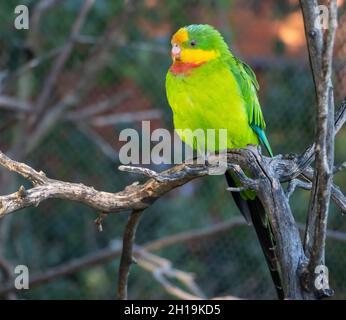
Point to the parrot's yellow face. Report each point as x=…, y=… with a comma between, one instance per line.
x=191, y=48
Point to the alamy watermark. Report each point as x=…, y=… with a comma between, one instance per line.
x=209, y=144
x=322, y=17
x=21, y=20
x=21, y=281
x=322, y=277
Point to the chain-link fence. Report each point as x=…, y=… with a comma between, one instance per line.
x=82, y=144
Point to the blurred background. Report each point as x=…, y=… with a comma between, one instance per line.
x=86, y=70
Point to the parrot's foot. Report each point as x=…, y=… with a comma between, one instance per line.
x=215, y=164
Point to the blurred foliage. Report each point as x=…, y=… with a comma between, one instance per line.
x=58, y=231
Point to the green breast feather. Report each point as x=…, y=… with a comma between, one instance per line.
x=218, y=95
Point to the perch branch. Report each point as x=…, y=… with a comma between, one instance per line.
x=133, y=197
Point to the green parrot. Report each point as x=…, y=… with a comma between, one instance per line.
x=209, y=88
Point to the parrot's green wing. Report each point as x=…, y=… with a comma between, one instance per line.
x=247, y=81
x=249, y=204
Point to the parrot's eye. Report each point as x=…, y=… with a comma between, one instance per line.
x=193, y=43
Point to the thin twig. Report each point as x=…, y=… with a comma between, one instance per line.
x=296, y=183
x=127, y=252
x=162, y=270
x=336, y=195
x=37, y=178
x=340, y=117
x=296, y=164
x=339, y=167
x=339, y=198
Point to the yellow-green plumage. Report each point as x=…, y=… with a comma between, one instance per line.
x=220, y=92
x=210, y=98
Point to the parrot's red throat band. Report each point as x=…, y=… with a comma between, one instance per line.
x=184, y=68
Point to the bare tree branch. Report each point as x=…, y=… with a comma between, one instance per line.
x=99, y=107
x=127, y=252
x=314, y=37
x=138, y=197
x=339, y=198
x=315, y=236
x=331, y=234
x=340, y=117
x=162, y=270
x=62, y=58
x=134, y=197
x=37, y=178
x=339, y=167
x=125, y=117
x=296, y=183
x=296, y=164
x=13, y=104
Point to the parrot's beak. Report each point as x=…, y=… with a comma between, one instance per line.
x=176, y=51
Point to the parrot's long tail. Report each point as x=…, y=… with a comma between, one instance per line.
x=254, y=212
